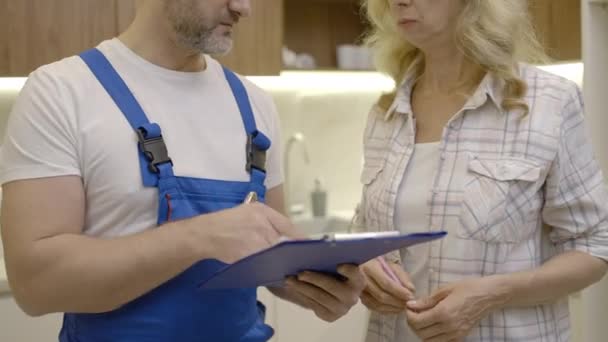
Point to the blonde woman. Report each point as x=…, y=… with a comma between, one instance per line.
x=491, y=149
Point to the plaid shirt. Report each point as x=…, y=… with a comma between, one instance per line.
x=512, y=190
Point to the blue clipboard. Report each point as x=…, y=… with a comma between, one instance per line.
x=272, y=266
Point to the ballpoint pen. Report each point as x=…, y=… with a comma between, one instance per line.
x=388, y=270
x=251, y=197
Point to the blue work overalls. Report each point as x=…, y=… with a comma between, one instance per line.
x=178, y=311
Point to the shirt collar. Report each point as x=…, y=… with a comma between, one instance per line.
x=491, y=87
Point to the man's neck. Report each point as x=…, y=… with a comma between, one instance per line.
x=153, y=40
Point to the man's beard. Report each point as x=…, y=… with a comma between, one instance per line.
x=206, y=41
x=192, y=32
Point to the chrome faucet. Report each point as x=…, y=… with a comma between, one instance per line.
x=292, y=208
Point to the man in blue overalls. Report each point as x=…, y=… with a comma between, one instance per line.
x=124, y=171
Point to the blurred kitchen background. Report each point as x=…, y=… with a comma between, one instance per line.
x=306, y=53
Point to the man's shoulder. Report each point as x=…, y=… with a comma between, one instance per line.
x=70, y=72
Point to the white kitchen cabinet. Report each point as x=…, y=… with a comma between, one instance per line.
x=18, y=327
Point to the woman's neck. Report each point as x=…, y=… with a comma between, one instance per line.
x=448, y=71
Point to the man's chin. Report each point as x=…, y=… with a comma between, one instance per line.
x=219, y=48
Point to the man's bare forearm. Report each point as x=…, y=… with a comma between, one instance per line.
x=75, y=273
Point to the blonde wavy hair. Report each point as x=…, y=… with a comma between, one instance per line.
x=495, y=34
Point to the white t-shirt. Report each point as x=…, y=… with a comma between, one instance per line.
x=65, y=123
x=411, y=216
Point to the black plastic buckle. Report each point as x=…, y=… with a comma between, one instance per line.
x=256, y=158
x=154, y=149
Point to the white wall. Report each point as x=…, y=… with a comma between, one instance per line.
x=9, y=88
x=15, y=326
x=333, y=129
x=595, y=55
x=294, y=324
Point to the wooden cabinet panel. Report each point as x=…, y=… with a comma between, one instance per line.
x=558, y=23
x=318, y=27
x=125, y=12
x=258, y=40
x=38, y=32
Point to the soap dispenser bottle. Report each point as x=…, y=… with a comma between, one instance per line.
x=319, y=200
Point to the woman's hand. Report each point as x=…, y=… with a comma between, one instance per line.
x=452, y=311
x=382, y=293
